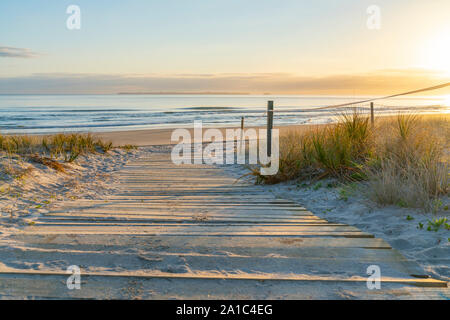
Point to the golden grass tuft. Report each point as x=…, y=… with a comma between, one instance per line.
x=128, y=147
x=412, y=161
x=49, y=149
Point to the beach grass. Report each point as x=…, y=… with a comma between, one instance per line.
x=401, y=160
x=53, y=150
x=128, y=147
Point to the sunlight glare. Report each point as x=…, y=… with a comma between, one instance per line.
x=447, y=101
x=437, y=53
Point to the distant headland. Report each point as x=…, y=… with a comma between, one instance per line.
x=186, y=93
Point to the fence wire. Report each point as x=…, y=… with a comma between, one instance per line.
x=355, y=104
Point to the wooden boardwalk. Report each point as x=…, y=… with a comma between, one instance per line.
x=192, y=232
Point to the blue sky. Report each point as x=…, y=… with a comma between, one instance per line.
x=169, y=38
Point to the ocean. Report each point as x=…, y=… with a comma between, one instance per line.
x=35, y=114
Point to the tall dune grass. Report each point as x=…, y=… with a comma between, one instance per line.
x=401, y=160
x=413, y=166
x=336, y=150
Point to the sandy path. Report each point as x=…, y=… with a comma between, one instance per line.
x=191, y=232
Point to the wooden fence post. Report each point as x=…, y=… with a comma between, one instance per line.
x=372, y=114
x=242, y=142
x=269, y=127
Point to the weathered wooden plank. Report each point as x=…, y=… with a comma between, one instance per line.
x=177, y=218
x=204, y=243
x=240, y=276
x=186, y=202
x=134, y=231
x=20, y=286
x=281, y=226
x=190, y=211
x=213, y=207
x=188, y=227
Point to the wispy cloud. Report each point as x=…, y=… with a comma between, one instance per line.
x=380, y=82
x=12, y=52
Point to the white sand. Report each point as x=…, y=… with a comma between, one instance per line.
x=28, y=189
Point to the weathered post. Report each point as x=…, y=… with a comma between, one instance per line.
x=269, y=127
x=242, y=142
x=372, y=114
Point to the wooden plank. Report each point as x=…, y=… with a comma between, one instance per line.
x=18, y=286
x=186, y=201
x=191, y=222
x=134, y=231
x=201, y=242
x=217, y=207
x=241, y=276
x=177, y=218
x=312, y=263
x=203, y=227
x=173, y=208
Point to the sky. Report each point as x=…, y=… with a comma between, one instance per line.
x=255, y=46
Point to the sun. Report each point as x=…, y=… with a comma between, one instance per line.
x=437, y=53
